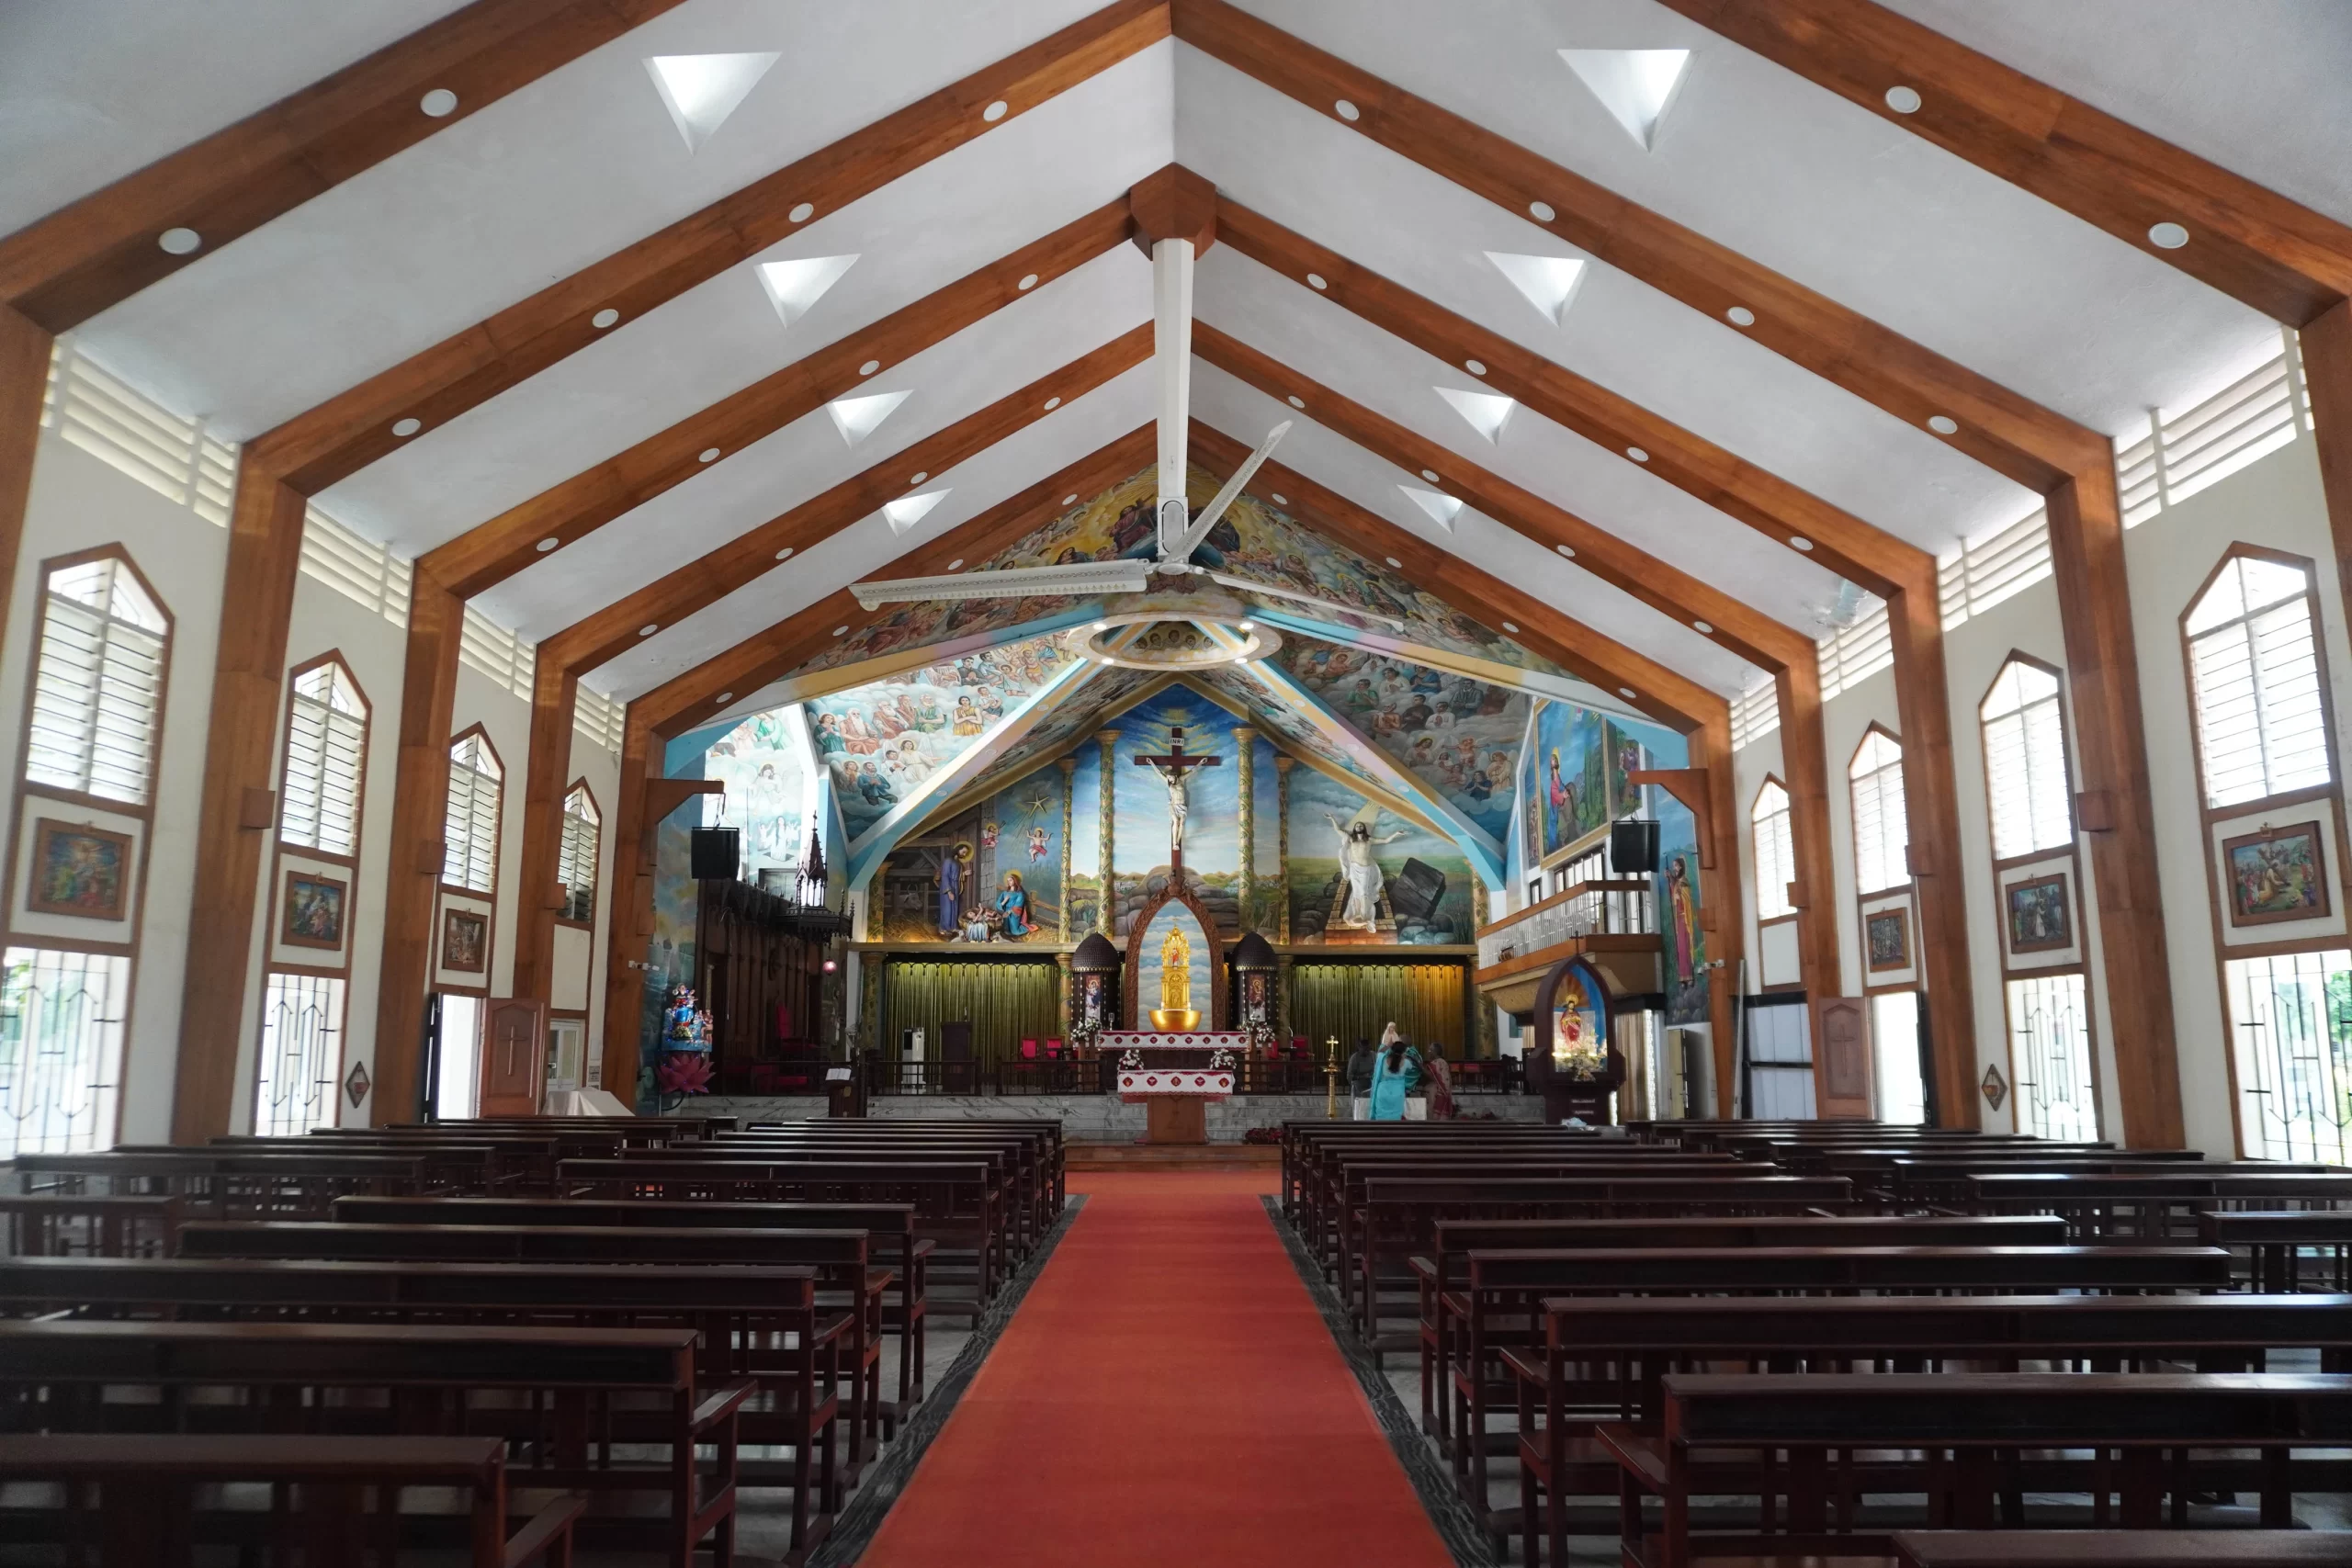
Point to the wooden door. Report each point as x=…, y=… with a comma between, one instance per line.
x=1841, y=1057
x=513, y=1057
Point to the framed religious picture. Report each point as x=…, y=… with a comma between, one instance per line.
x=313, y=906
x=83, y=871
x=2041, y=916
x=2279, y=874
x=465, y=941
x=1886, y=937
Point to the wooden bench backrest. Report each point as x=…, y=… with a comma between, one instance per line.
x=526, y=1244
x=1851, y=1268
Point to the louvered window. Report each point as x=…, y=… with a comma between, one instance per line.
x=471, y=840
x=576, y=857
x=98, y=688
x=2254, y=668
x=2025, y=761
x=326, y=759
x=1776, y=855
x=1881, y=830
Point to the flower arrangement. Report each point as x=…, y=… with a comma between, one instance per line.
x=1581, y=1063
x=684, y=1072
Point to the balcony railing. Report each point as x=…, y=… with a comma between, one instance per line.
x=1614, y=906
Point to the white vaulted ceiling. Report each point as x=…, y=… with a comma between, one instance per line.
x=587, y=160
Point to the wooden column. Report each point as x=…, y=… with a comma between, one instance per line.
x=2327, y=377
x=1283, y=765
x=555, y=691
x=1804, y=774
x=1069, y=766
x=1721, y=908
x=1062, y=979
x=630, y=924
x=25, y=350
x=420, y=821
x=1105, y=834
x=1246, y=776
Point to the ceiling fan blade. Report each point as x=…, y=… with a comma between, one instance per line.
x=1019, y=582
x=1225, y=497
x=1222, y=580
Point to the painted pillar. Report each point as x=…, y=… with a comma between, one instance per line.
x=1105, y=803
x=1068, y=767
x=1281, y=995
x=1061, y=989
x=1246, y=739
x=1283, y=765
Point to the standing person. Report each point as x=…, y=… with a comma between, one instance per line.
x=1360, y=1079
x=1393, y=1070
x=1441, y=1072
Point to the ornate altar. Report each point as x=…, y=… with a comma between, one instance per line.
x=1175, y=1075
x=1571, y=1061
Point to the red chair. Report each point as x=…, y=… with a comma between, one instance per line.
x=1053, y=1050
x=1029, y=1049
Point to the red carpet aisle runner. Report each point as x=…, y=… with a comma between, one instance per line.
x=1165, y=1395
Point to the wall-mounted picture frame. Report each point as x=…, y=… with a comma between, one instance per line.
x=2040, y=914
x=465, y=942
x=2276, y=874
x=1886, y=939
x=80, y=870
x=312, y=910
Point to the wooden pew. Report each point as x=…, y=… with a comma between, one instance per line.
x=1836, y=1431
x=131, y=1500
x=1604, y=1359
x=2273, y=1243
x=1045, y=1130
x=1302, y=1141
x=1014, y=1166
x=50, y=1225
x=296, y=1186
x=535, y=1387
x=2115, y=1549
x=2153, y=1207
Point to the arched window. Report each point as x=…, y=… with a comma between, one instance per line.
x=1776, y=855
x=2025, y=761
x=1881, y=830
x=477, y=781
x=327, y=760
x=576, y=857
x=2254, y=676
x=97, y=708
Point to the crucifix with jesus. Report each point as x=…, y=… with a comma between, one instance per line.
x=1174, y=767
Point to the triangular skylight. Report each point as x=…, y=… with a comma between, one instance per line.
x=857, y=418
x=701, y=90
x=1549, y=282
x=1635, y=86
x=1442, y=509
x=794, y=286
x=1487, y=411
x=909, y=510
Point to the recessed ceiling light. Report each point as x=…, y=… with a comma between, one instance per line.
x=995, y=112
x=1548, y=282
x=1903, y=100
x=793, y=286
x=604, y=318
x=1565, y=551
x=1475, y=366
x=784, y=553
x=801, y=212
x=1799, y=542
x=1028, y=281
x=647, y=630
x=1101, y=625
x=1278, y=501
x=544, y=546
x=955, y=565
x=407, y=427
x=1541, y=211
x=1069, y=500
x=1297, y=402
x=1487, y=411
x=1052, y=403
x=708, y=455
x=1636, y=454
x=1346, y=110
x=1703, y=626
x=1429, y=474
x=1315, y=280
x=2164, y=236
x=1509, y=627
x=1635, y=86
x=1741, y=316
x=1248, y=625
x=869, y=367
x=1395, y=562
x=701, y=90
x=440, y=103
x=920, y=477
x=857, y=418
x=1943, y=423
x=724, y=698
x=841, y=631
x=1626, y=691
x=907, y=511
x=179, y=242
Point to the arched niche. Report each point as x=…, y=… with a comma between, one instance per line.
x=1148, y=933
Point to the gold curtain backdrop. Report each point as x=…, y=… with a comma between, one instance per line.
x=1358, y=1001
x=1005, y=1003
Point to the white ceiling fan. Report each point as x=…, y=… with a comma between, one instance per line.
x=1171, y=269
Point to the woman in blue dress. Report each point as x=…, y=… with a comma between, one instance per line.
x=1394, y=1069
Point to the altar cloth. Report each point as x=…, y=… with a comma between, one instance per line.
x=1142, y=1083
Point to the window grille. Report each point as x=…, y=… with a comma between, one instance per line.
x=2240, y=424
x=2003, y=564
x=470, y=853
x=98, y=686
x=576, y=856
x=1882, y=828
x=2291, y=1018
x=496, y=652
x=1856, y=651
x=356, y=566
x=1755, y=714
x=1776, y=855
x=2050, y=1056
x=302, y=1054
x=326, y=757
x=2025, y=761
x=2253, y=669
x=60, y=1049
x=131, y=432
x=598, y=717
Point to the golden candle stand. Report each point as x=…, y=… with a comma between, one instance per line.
x=1331, y=1078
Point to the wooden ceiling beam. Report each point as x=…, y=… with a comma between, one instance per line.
x=98, y=250
x=1681, y=598
x=2254, y=245
x=470, y=367
x=493, y=551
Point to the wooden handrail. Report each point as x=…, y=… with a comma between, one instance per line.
x=1576, y=890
